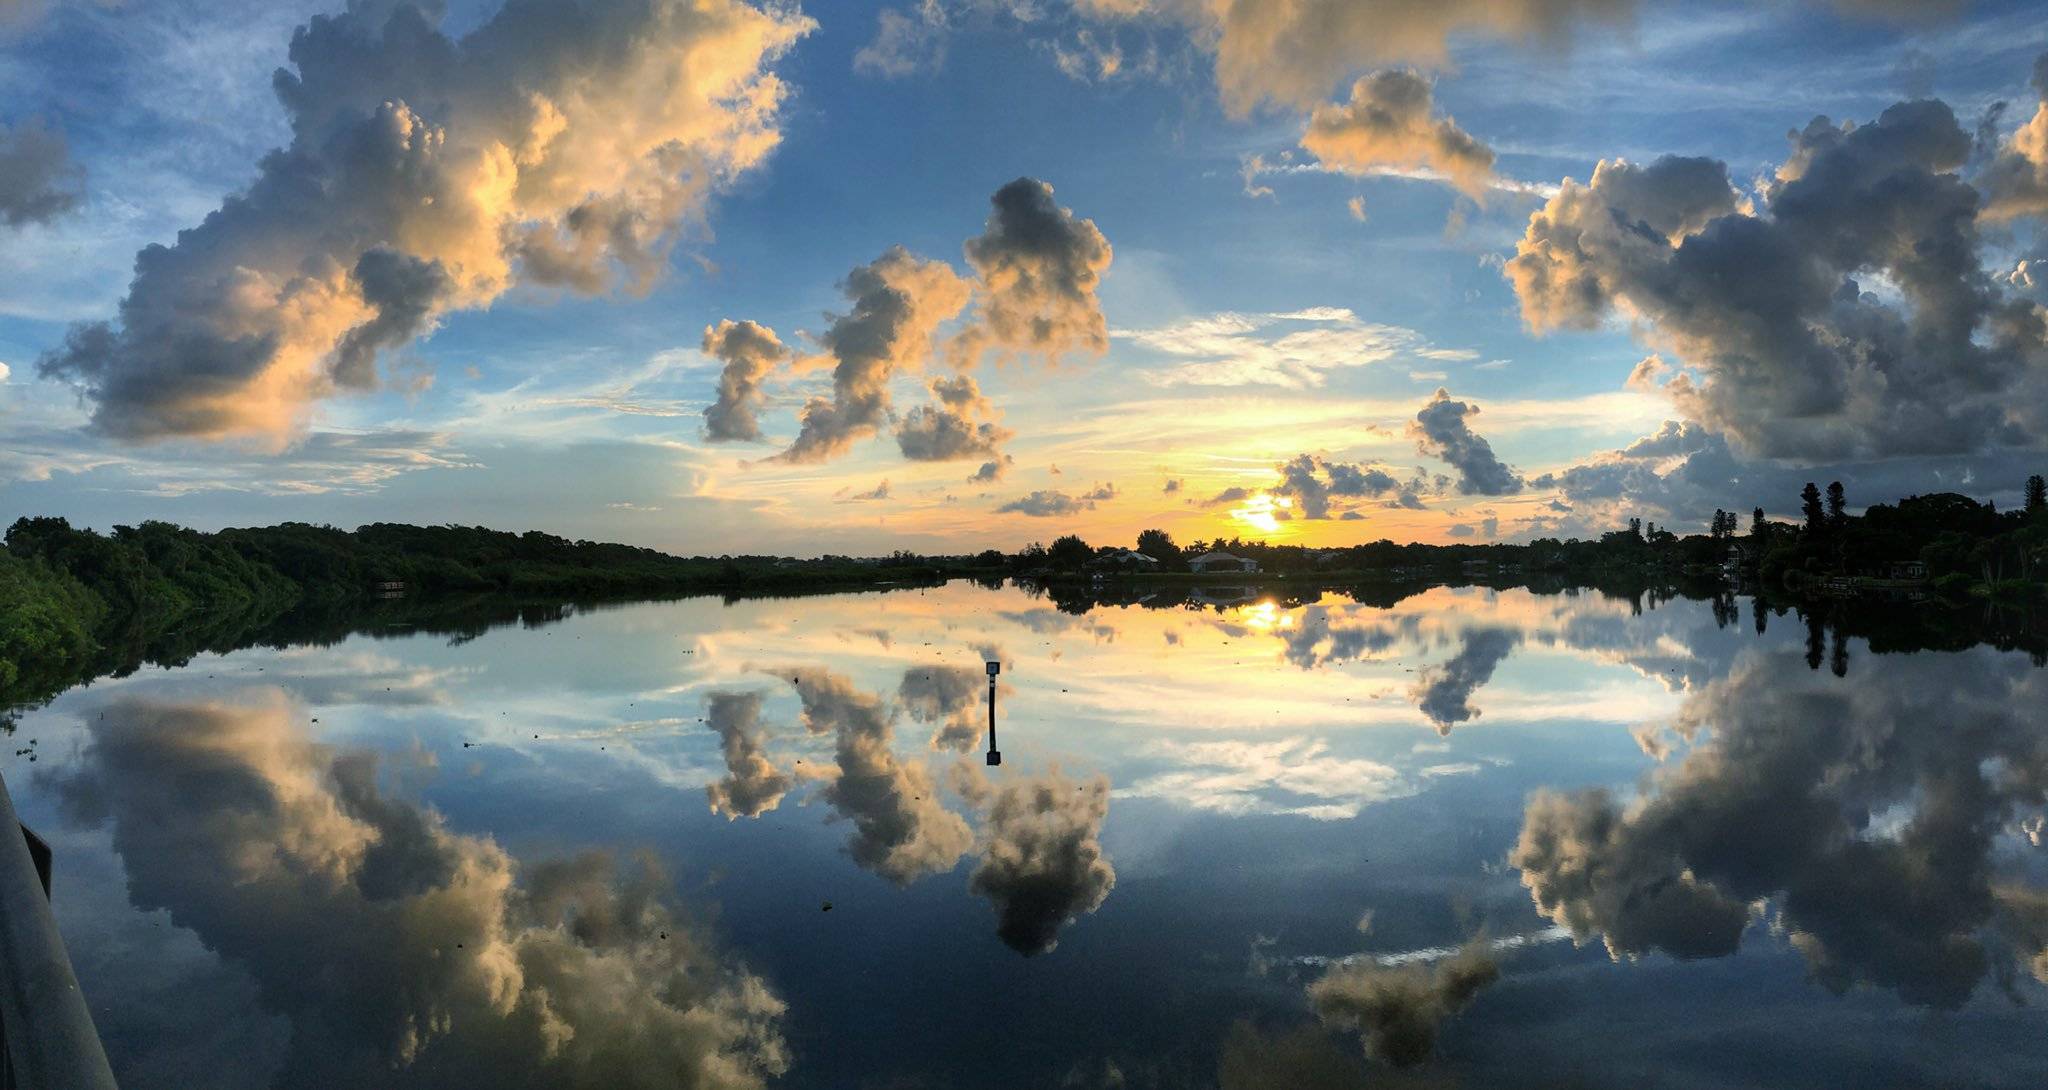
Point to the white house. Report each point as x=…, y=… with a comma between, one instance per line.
x=1208, y=562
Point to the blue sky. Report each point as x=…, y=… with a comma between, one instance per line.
x=1251, y=316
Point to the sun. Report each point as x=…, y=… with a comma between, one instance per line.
x=1264, y=512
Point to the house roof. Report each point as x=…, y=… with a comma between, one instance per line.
x=1214, y=556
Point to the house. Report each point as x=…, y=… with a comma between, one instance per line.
x=1478, y=567
x=1908, y=569
x=1214, y=562
x=1123, y=560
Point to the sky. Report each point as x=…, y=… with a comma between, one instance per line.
x=727, y=277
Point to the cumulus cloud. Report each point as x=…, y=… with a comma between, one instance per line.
x=1442, y=431
x=1042, y=864
x=555, y=145
x=1443, y=693
x=748, y=351
x=1037, y=267
x=1292, y=52
x=993, y=470
x=1845, y=316
x=2016, y=179
x=752, y=785
x=899, y=301
x=901, y=830
x=948, y=431
x=1885, y=800
x=1046, y=503
x=1399, y=1009
x=1312, y=480
x=948, y=698
x=1387, y=124
x=38, y=181
x=397, y=949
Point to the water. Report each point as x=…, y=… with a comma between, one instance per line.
x=1500, y=837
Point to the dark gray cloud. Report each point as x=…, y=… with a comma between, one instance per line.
x=1444, y=693
x=748, y=352
x=752, y=785
x=1441, y=430
x=901, y=829
x=38, y=181
x=549, y=145
x=1398, y=1010
x=1844, y=316
x=398, y=950
x=1037, y=267
x=993, y=470
x=1388, y=124
x=930, y=433
x=1042, y=864
x=1312, y=480
x=899, y=301
x=1868, y=812
x=1046, y=503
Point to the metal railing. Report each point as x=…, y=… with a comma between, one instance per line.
x=47, y=1039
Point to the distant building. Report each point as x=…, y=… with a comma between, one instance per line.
x=1214, y=562
x=1123, y=560
x=1478, y=567
x=1908, y=569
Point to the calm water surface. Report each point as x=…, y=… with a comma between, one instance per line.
x=1479, y=837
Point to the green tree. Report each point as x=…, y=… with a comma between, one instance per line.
x=1837, y=505
x=1757, y=526
x=2037, y=495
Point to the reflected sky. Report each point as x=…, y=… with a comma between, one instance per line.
x=1474, y=837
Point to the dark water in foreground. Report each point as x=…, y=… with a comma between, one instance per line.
x=1495, y=838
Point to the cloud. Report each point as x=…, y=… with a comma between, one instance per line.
x=1172, y=485
x=1037, y=267
x=947, y=697
x=879, y=492
x=38, y=181
x=397, y=949
x=905, y=43
x=1233, y=494
x=1399, y=1009
x=1282, y=776
x=1444, y=693
x=1312, y=480
x=1441, y=430
x=1292, y=52
x=1387, y=124
x=1042, y=864
x=1292, y=349
x=557, y=145
x=947, y=432
x=748, y=351
x=1847, y=316
x=899, y=301
x=901, y=830
x=752, y=785
x=1045, y=503
x=1886, y=798
x=2016, y=179
x=993, y=470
